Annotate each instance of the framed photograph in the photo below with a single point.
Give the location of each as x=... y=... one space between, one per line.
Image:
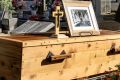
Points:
x=81 y=18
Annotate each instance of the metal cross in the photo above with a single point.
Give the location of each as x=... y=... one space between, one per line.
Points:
x=57 y=14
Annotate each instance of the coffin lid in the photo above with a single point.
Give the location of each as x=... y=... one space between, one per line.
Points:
x=32 y=40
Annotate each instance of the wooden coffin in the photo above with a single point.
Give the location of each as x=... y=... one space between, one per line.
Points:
x=44 y=58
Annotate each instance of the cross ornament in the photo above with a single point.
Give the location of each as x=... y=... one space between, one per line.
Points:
x=57 y=14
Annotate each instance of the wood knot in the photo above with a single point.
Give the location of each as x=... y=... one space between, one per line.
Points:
x=25 y=44
x=95 y=56
x=89 y=45
x=32 y=76
x=2 y=63
x=62 y=45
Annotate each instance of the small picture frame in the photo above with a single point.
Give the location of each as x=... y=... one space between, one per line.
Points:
x=81 y=18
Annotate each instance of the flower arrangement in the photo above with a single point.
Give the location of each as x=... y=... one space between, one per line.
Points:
x=7 y=7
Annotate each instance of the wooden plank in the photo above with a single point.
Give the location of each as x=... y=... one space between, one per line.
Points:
x=35 y=41
x=77 y=60
x=97 y=46
x=9 y=62
x=19 y=39
x=11 y=52
x=5 y=41
x=8 y=72
x=10 y=48
x=70 y=40
x=25 y=37
x=9 y=68
x=91 y=70
x=8 y=77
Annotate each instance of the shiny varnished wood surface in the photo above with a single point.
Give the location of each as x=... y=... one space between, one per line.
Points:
x=40 y=37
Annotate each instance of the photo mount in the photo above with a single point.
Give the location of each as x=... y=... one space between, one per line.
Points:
x=81 y=5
